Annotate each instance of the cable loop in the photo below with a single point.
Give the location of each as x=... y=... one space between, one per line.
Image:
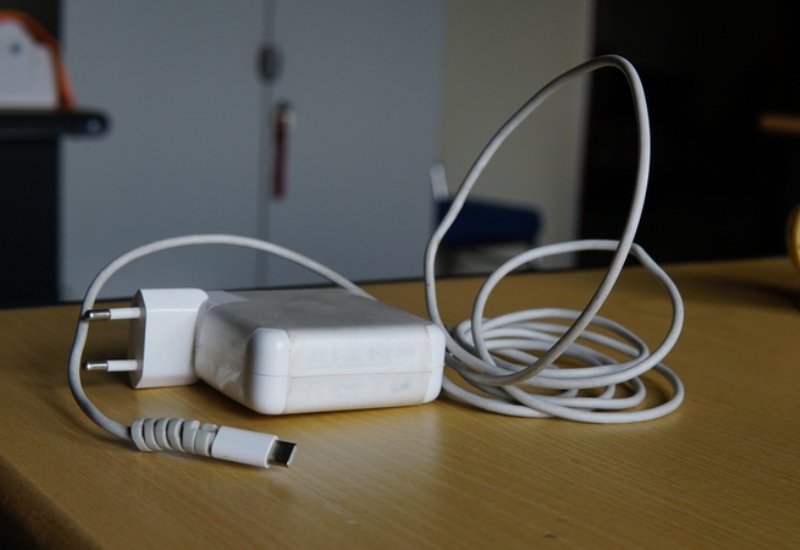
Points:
x=511 y=359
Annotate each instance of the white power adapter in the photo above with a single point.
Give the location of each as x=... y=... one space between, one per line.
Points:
x=282 y=351
x=276 y=352
x=295 y=351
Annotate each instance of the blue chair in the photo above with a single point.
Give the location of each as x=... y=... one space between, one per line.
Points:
x=488 y=222
x=482 y=222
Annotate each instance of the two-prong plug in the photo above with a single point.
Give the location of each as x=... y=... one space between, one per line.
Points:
x=161 y=348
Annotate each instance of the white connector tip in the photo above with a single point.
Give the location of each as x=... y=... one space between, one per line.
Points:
x=253 y=448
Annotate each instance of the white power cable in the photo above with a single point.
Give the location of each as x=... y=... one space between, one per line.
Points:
x=477 y=349
x=505 y=386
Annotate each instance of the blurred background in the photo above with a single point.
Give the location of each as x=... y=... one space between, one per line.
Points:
x=315 y=125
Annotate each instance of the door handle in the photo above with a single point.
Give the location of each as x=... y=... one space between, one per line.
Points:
x=283 y=119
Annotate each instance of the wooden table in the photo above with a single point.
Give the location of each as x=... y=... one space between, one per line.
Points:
x=723 y=471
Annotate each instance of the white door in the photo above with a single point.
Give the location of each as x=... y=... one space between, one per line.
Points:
x=189 y=148
x=364 y=80
x=182 y=155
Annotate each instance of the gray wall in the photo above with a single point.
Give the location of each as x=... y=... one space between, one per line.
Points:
x=497 y=54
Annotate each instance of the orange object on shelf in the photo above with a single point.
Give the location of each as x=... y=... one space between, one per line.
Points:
x=41 y=35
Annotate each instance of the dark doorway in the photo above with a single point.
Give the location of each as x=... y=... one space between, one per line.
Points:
x=719 y=186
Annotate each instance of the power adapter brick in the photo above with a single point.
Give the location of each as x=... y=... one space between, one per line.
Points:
x=283 y=351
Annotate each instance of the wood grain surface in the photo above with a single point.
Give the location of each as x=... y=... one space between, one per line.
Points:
x=720 y=472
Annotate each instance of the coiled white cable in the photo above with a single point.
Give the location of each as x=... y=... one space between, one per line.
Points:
x=477 y=348
x=505 y=386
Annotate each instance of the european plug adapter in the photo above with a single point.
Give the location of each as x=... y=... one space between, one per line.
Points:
x=161 y=341
x=161 y=337
x=282 y=351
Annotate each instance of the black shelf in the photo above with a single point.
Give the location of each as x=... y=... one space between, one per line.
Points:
x=16 y=125
x=29 y=191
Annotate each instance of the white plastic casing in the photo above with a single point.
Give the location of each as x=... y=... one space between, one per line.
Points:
x=294 y=351
x=162 y=340
x=243 y=446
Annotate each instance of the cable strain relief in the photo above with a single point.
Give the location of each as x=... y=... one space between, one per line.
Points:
x=225 y=443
